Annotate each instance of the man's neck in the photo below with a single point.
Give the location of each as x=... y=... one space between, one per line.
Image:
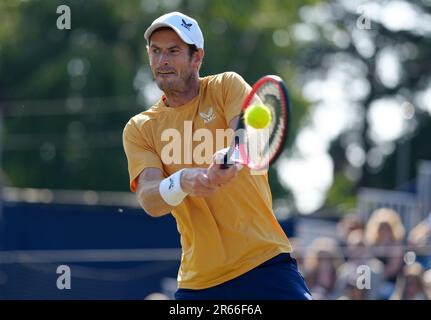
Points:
x=177 y=98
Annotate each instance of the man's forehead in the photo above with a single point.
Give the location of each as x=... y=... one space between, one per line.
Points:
x=166 y=37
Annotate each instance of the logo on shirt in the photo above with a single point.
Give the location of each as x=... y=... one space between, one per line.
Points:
x=186 y=25
x=209 y=116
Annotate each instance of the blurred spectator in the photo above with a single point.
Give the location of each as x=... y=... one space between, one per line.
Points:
x=385 y=233
x=427 y=282
x=348 y=223
x=298 y=252
x=358 y=254
x=351 y=290
x=420 y=240
x=410 y=284
x=322 y=259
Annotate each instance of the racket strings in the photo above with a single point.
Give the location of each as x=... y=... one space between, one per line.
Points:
x=271 y=95
x=262 y=146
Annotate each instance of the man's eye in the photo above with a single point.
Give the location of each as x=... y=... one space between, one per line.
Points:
x=175 y=51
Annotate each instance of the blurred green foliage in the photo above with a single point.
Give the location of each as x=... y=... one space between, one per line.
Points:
x=66 y=94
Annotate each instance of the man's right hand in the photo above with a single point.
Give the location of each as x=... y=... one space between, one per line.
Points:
x=195 y=182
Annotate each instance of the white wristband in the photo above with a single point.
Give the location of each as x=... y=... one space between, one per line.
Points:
x=170 y=189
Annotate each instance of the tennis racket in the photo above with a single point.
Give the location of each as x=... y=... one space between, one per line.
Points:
x=258 y=148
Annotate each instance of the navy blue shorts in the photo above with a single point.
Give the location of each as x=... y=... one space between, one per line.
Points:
x=275 y=279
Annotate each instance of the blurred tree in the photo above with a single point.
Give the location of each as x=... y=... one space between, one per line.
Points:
x=381 y=51
x=67 y=94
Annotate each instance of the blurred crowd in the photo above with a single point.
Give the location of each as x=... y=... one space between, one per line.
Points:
x=368 y=260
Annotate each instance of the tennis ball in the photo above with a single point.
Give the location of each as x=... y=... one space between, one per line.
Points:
x=258 y=116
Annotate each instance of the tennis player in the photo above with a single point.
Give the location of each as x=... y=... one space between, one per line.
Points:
x=232 y=245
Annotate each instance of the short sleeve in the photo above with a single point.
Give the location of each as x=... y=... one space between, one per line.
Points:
x=139 y=152
x=235 y=90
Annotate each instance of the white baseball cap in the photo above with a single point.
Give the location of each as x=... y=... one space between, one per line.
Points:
x=187 y=28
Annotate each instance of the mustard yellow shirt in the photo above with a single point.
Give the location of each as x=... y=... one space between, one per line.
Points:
x=230 y=232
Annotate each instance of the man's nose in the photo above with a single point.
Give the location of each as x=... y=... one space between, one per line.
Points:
x=164 y=59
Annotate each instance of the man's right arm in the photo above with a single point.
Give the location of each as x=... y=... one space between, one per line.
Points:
x=194 y=181
x=148 y=193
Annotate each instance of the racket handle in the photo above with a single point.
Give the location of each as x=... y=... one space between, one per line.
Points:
x=225 y=165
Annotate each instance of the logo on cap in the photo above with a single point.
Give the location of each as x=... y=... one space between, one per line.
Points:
x=186 y=25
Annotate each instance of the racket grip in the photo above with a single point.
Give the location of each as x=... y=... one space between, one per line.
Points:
x=225 y=165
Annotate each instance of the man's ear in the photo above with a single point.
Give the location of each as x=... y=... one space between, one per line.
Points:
x=198 y=57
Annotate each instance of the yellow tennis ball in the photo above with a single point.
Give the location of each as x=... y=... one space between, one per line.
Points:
x=258 y=116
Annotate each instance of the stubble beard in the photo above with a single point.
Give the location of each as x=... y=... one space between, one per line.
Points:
x=177 y=85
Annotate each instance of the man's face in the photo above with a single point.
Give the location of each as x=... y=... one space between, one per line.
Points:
x=170 y=61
